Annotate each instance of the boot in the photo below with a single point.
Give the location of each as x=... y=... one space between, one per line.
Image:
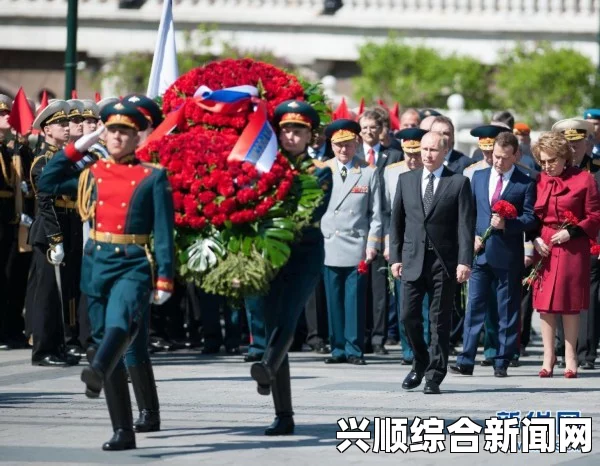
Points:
x=144 y=388
x=282 y=399
x=264 y=371
x=118 y=401
x=107 y=356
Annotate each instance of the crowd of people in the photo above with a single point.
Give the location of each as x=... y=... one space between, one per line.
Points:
x=416 y=243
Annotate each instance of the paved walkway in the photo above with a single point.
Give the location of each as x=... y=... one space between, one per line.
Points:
x=212 y=414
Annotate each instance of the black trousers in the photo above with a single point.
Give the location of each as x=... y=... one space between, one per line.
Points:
x=526 y=312
x=17 y=271
x=377 y=302
x=316 y=316
x=7 y=233
x=587 y=341
x=440 y=288
x=44 y=311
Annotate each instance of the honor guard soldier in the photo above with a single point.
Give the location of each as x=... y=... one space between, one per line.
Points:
x=353 y=232
x=593 y=116
x=7 y=214
x=75 y=119
x=576 y=132
x=410 y=138
x=294 y=283
x=51 y=291
x=127 y=202
x=91 y=115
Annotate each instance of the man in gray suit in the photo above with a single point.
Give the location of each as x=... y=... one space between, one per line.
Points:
x=353 y=232
x=431 y=248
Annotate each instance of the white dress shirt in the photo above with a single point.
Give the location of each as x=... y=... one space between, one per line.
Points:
x=494 y=181
x=376 y=148
x=425 y=179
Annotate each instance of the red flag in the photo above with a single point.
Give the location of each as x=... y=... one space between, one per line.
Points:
x=395 y=117
x=21 y=116
x=97 y=97
x=361 y=108
x=74 y=94
x=382 y=103
x=44 y=101
x=342 y=111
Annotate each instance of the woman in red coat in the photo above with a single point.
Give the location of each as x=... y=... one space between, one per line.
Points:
x=563 y=284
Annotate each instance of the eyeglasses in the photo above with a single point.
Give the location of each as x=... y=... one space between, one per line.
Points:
x=549 y=162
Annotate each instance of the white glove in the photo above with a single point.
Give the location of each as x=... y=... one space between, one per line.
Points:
x=57 y=254
x=161 y=297
x=88 y=140
x=26 y=220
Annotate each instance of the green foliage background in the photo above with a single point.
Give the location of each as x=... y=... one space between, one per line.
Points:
x=539 y=83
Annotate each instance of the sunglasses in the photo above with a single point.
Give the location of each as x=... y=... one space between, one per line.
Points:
x=549 y=162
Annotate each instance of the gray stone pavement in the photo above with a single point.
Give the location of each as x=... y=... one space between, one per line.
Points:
x=211 y=413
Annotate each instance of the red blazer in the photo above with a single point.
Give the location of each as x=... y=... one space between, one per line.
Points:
x=564 y=284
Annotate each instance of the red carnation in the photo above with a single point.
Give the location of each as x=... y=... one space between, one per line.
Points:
x=505 y=209
x=569 y=218
x=363 y=267
x=206 y=197
x=218 y=220
x=210 y=210
x=246 y=195
x=594 y=248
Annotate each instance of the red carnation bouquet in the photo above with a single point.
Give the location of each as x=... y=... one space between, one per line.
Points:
x=234 y=223
x=506 y=211
x=569 y=219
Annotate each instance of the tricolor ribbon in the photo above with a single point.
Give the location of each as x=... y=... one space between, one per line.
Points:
x=257 y=143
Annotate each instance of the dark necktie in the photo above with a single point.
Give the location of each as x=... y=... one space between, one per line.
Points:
x=344 y=173
x=497 y=192
x=428 y=197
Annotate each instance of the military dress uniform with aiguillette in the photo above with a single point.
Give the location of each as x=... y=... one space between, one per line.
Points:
x=290 y=289
x=53 y=291
x=127 y=201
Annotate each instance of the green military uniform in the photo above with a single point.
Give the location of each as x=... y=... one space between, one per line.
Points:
x=289 y=290
x=127 y=201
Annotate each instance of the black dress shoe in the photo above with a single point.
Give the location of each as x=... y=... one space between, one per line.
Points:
x=233 y=350
x=76 y=351
x=391 y=342
x=587 y=365
x=487 y=362
x=412 y=380
x=282 y=425
x=500 y=372
x=320 y=348
x=514 y=363
x=380 y=349
x=357 y=361
x=252 y=357
x=121 y=440
x=406 y=362
x=335 y=360
x=461 y=369
x=431 y=388
x=51 y=361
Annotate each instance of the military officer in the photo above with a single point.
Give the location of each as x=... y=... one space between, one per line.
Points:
x=91 y=115
x=410 y=139
x=294 y=283
x=576 y=132
x=7 y=213
x=593 y=116
x=352 y=228
x=75 y=119
x=127 y=202
x=52 y=292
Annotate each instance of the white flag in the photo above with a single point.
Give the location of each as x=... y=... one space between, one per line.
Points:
x=164 y=64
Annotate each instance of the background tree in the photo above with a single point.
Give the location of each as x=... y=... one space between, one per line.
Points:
x=419 y=76
x=543 y=84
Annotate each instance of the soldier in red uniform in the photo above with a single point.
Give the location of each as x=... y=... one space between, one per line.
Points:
x=127 y=201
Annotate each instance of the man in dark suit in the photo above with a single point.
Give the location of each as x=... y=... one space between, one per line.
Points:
x=431 y=248
x=371 y=150
x=499 y=263
x=454 y=160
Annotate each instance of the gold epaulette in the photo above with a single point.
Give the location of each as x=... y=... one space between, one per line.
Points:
x=319 y=163
x=397 y=164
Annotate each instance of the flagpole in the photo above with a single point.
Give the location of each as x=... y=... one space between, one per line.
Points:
x=71 y=50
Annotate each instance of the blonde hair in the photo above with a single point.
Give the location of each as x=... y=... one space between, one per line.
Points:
x=554 y=144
